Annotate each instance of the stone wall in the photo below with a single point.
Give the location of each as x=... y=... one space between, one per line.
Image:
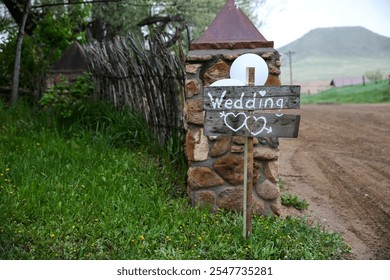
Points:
x=216 y=164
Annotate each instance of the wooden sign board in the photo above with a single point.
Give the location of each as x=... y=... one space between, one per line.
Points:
x=239 y=110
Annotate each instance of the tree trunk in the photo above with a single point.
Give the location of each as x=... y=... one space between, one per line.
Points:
x=15 y=81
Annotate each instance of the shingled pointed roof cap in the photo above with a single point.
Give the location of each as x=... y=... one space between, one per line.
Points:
x=73 y=60
x=231 y=29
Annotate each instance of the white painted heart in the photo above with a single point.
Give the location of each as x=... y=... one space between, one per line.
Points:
x=262 y=93
x=225 y=119
x=254 y=133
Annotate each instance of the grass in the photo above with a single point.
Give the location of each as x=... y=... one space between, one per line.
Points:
x=370 y=93
x=290 y=200
x=327 y=68
x=98 y=187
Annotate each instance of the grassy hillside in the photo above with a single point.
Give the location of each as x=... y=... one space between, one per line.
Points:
x=328 y=68
x=339 y=42
x=371 y=93
x=327 y=53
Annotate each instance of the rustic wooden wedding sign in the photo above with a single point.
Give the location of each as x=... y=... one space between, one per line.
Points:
x=240 y=108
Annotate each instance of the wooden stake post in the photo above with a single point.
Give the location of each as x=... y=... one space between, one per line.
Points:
x=248 y=169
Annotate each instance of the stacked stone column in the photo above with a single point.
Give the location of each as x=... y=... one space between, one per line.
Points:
x=216 y=164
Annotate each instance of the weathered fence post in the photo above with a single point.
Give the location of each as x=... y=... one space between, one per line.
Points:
x=216 y=164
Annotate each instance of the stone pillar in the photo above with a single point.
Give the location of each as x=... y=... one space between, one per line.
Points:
x=215 y=174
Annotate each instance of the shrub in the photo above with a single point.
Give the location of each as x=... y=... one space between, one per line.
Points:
x=65 y=97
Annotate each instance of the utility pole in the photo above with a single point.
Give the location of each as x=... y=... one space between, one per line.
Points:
x=290 y=53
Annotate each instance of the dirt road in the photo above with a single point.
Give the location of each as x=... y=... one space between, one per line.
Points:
x=341 y=165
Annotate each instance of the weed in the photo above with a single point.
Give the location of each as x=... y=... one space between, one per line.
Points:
x=294 y=201
x=64 y=97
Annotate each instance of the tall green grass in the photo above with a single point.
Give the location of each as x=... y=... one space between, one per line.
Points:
x=370 y=93
x=98 y=187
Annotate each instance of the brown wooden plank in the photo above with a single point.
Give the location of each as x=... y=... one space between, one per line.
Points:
x=284 y=90
x=240 y=123
x=251 y=98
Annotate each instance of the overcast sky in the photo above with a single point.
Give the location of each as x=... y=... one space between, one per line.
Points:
x=287 y=20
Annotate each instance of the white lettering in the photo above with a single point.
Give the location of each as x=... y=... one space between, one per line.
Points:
x=279 y=103
x=238 y=102
x=270 y=100
x=229 y=104
x=260 y=103
x=217 y=102
x=250 y=104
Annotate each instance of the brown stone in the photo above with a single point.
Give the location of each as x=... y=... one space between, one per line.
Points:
x=202 y=177
x=230 y=57
x=192 y=68
x=256 y=171
x=278 y=63
x=204 y=198
x=230 y=198
x=197 y=145
x=271 y=171
x=265 y=153
x=201 y=150
x=221 y=146
x=273 y=70
x=257 y=206
x=268 y=55
x=230 y=168
x=195 y=112
x=272 y=81
x=276 y=207
x=190 y=145
x=198 y=57
x=267 y=190
x=237 y=149
x=192 y=88
x=218 y=71
x=240 y=140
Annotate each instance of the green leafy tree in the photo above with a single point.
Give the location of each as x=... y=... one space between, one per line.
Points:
x=120 y=17
x=51 y=25
x=52 y=35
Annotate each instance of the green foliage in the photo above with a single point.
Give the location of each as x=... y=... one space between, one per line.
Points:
x=52 y=36
x=72 y=195
x=294 y=201
x=370 y=93
x=122 y=17
x=64 y=97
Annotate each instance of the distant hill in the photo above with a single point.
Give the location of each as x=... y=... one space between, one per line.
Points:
x=326 y=53
x=339 y=42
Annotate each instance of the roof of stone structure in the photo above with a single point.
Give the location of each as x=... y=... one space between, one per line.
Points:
x=73 y=60
x=231 y=29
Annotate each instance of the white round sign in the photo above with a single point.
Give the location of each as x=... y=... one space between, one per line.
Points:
x=238 y=70
x=227 y=82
